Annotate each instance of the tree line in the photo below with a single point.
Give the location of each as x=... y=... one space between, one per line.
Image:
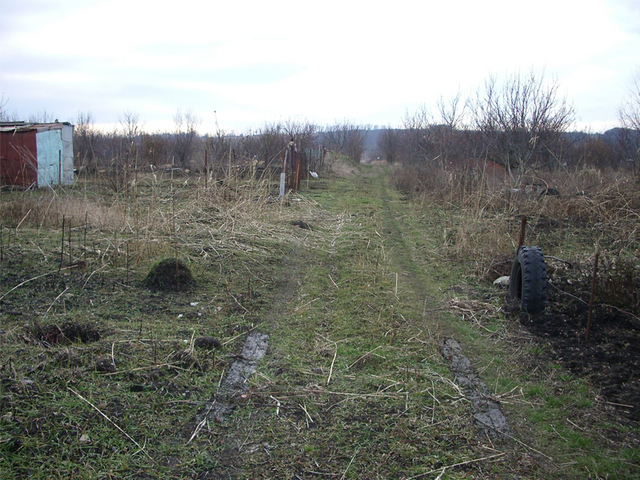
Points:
x=185 y=147
x=521 y=123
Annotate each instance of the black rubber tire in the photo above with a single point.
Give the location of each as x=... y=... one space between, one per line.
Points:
x=528 y=280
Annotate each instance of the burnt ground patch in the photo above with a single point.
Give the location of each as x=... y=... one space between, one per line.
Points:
x=611 y=356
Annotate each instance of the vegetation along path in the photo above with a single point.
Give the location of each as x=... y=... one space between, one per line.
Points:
x=361 y=380
x=372 y=352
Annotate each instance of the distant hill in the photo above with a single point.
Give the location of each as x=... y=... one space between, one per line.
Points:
x=614 y=135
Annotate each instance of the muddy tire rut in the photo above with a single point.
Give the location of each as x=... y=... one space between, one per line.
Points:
x=487 y=414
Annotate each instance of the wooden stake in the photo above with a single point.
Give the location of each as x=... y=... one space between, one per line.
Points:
x=593 y=293
x=523 y=227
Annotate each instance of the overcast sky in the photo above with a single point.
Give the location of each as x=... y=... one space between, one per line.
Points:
x=262 y=61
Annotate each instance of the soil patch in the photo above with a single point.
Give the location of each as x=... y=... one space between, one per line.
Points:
x=62 y=334
x=302 y=224
x=611 y=357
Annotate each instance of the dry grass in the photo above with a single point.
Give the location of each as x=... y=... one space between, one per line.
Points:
x=47 y=209
x=161 y=216
x=340 y=166
x=569 y=213
x=351 y=283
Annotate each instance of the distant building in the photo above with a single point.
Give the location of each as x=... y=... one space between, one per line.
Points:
x=36 y=154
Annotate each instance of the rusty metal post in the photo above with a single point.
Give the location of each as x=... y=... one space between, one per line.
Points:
x=291 y=166
x=593 y=293
x=523 y=227
x=297 y=171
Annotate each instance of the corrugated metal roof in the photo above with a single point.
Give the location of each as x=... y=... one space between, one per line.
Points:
x=24 y=126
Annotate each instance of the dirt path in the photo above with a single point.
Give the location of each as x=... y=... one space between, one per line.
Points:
x=390 y=360
x=354 y=343
x=487 y=413
x=354 y=383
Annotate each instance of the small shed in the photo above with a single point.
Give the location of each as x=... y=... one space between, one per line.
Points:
x=36 y=154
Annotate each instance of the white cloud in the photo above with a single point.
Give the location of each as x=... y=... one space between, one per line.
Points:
x=254 y=61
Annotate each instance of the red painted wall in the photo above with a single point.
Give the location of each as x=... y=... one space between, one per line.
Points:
x=18 y=158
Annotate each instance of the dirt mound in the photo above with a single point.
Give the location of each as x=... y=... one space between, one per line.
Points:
x=170 y=274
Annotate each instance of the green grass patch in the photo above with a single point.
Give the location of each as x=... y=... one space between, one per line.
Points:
x=353 y=384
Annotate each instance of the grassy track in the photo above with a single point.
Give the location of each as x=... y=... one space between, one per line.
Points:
x=356 y=291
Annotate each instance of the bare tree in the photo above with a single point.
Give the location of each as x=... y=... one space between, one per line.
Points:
x=522 y=122
x=185 y=136
x=130 y=126
x=42 y=117
x=347 y=138
x=446 y=136
x=389 y=144
x=131 y=130
x=84 y=140
x=120 y=151
x=629 y=114
x=270 y=140
x=303 y=133
x=4 y=115
x=417 y=146
x=155 y=149
x=435 y=140
x=219 y=146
